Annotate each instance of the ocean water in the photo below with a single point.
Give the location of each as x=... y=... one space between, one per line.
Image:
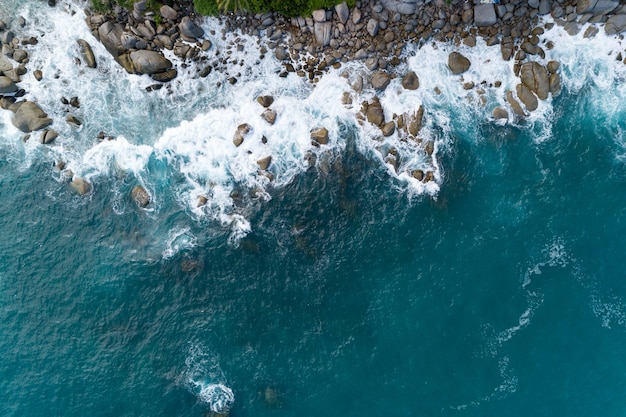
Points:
x=341 y=287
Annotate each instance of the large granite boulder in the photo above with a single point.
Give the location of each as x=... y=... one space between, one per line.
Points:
x=457 y=63
x=7 y=86
x=615 y=24
x=527 y=97
x=343 y=12
x=596 y=7
x=149 y=62
x=517 y=108
x=401 y=6
x=380 y=80
x=29 y=117
x=485 y=15
x=535 y=77
x=323 y=32
x=189 y=29
x=111 y=37
x=87 y=52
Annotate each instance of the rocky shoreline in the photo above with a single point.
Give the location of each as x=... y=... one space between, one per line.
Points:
x=374 y=32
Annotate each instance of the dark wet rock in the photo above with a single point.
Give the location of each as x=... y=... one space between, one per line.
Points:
x=415 y=121
x=527 y=97
x=410 y=81
x=29 y=117
x=380 y=80
x=202 y=200
x=242 y=131
x=74 y=102
x=265 y=101
x=87 y=53
x=500 y=113
x=418 y=174
x=553 y=66
x=320 y=135
x=457 y=63
x=264 y=163
x=80 y=186
x=48 y=136
x=140 y=196
x=73 y=120
x=165 y=76
x=269 y=116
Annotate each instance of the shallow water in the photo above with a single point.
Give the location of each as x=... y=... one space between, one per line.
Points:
x=341 y=289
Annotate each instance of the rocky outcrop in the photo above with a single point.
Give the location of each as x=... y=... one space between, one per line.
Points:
x=29 y=117
x=242 y=131
x=517 y=108
x=527 y=97
x=500 y=113
x=457 y=63
x=149 y=62
x=110 y=35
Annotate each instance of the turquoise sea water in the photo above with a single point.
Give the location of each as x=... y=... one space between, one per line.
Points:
x=343 y=291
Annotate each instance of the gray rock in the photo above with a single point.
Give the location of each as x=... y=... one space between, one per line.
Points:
x=188 y=28
x=6 y=37
x=323 y=32
x=87 y=53
x=29 y=117
x=485 y=15
x=411 y=81
x=372 y=27
x=371 y=64
x=149 y=62
x=380 y=80
x=356 y=16
x=168 y=13
x=281 y=53
x=343 y=12
x=110 y=35
x=533 y=4
x=140 y=196
x=500 y=113
x=527 y=97
x=7 y=86
x=615 y=24
x=457 y=63
x=319 y=15
x=596 y=7
x=545 y=6
x=320 y=135
x=5 y=64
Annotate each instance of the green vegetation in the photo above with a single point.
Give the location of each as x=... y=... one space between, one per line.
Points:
x=285 y=7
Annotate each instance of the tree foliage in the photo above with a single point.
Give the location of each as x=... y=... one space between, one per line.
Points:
x=285 y=7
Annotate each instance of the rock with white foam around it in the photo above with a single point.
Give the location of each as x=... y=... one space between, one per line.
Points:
x=140 y=196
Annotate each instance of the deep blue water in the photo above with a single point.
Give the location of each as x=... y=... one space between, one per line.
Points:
x=503 y=294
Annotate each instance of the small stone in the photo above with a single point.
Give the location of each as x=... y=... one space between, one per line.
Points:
x=265 y=101
x=242 y=131
x=264 y=163
x=140 y=196
x=38 y=75
x=74 y=102
x=73 y=120
x=202 y=200
x=269 y=116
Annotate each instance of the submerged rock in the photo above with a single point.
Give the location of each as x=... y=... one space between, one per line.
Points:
x=500 y=113
x=80 y=186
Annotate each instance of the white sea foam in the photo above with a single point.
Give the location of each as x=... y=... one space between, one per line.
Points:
x=178 y=140
x=203 y=377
